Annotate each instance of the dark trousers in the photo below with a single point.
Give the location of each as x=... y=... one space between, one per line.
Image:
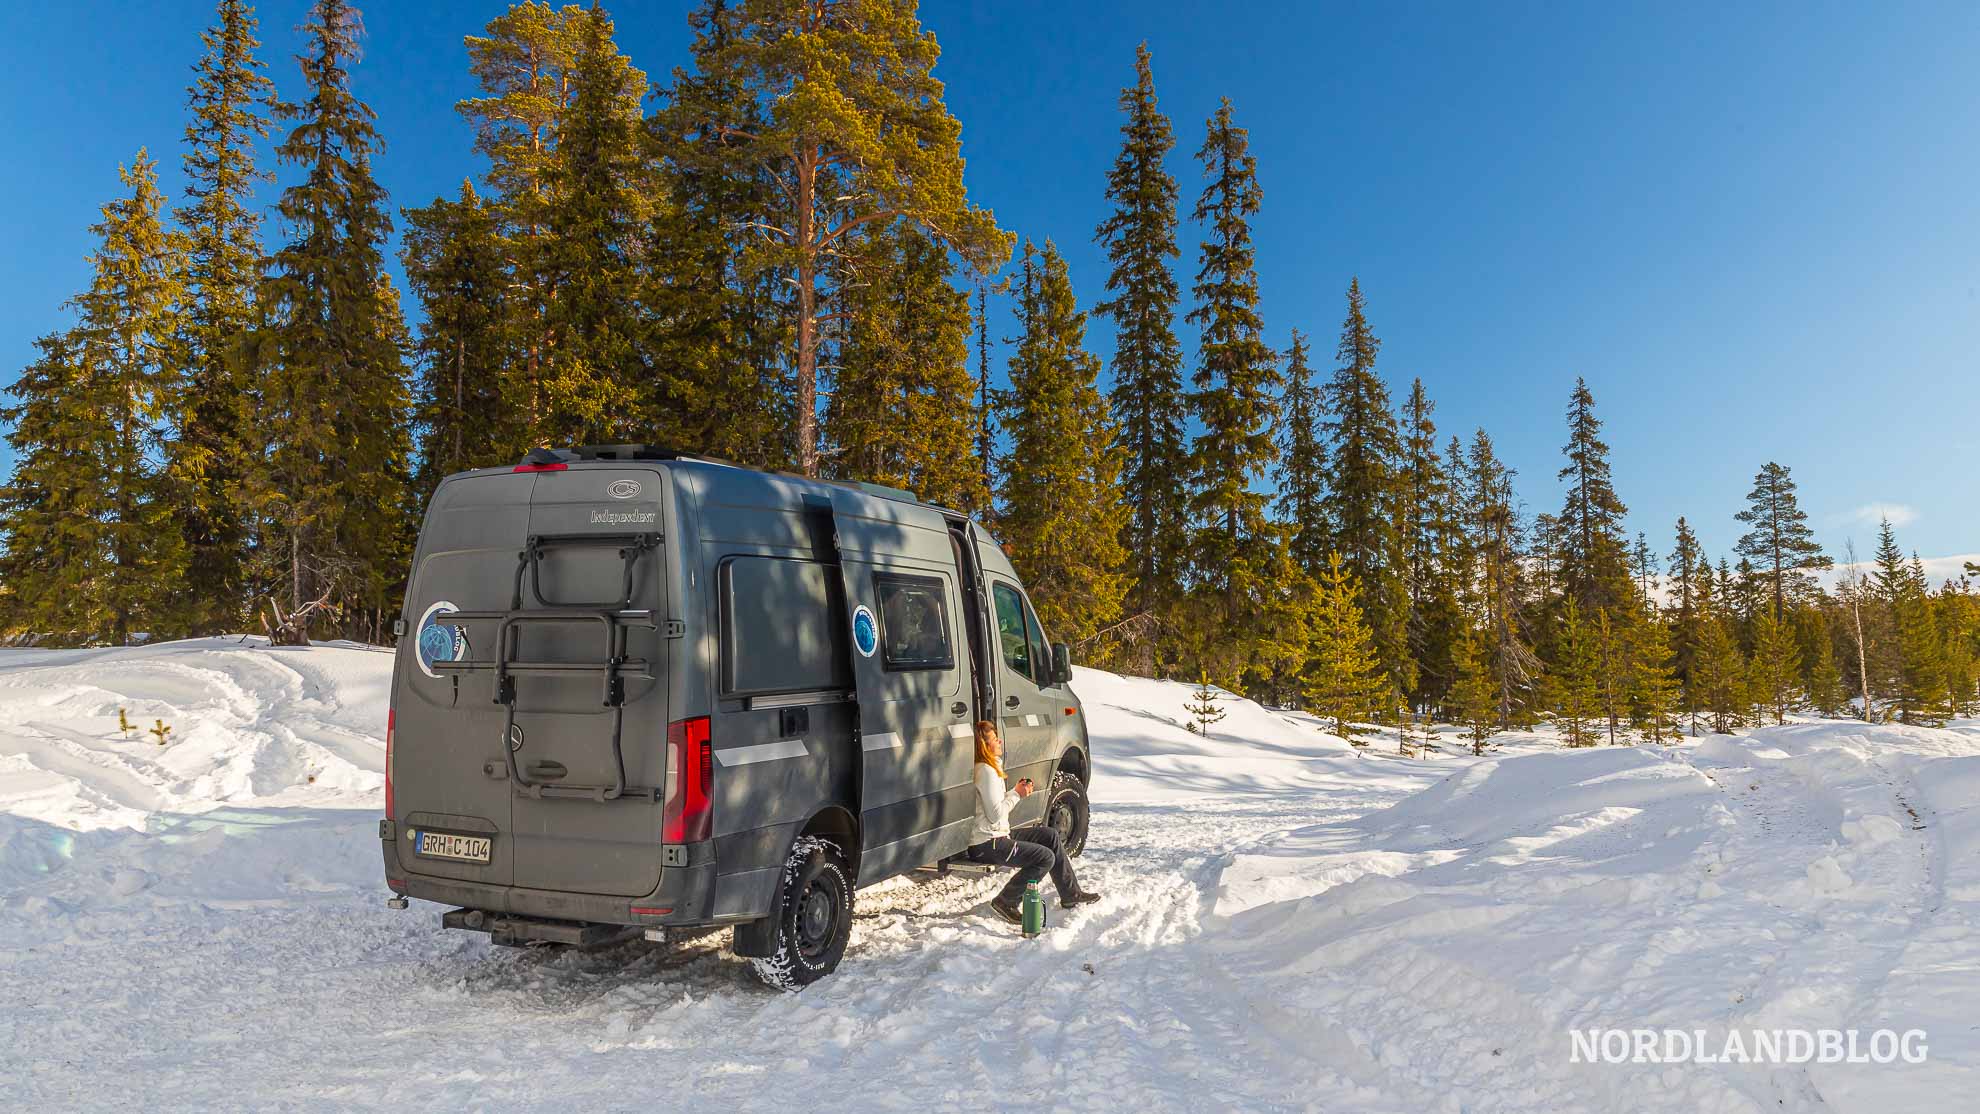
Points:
x=1034 y=852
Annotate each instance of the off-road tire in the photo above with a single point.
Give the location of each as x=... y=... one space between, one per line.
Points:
x=1068 y=811
x=813 y=917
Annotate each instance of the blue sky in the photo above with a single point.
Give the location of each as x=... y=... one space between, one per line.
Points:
x=1754 y=229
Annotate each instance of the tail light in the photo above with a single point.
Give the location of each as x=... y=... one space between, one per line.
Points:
x=391 y=721
x=689 y=812
x=557 y=467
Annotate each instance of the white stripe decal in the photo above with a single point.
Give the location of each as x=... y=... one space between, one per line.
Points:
x=884 y=741
x=961 y=731
x=761 y=752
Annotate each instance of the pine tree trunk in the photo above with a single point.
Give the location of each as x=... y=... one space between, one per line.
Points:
x=807 y=354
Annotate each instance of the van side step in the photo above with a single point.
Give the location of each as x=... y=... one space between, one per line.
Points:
x=515 y=932
x=957 y=864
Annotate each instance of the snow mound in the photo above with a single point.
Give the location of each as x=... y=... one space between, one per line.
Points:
x=1811 y=876
x=249 y=725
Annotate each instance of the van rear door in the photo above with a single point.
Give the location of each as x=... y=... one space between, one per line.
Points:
x=598 y=579
x=450 y=776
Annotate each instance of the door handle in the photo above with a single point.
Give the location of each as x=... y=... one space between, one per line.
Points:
x=1010 y=701
x=959 y=709
x=497 y=770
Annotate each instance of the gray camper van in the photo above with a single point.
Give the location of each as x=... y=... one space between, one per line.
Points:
x=639 y=689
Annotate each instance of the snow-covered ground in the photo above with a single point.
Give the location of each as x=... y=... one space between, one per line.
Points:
x=1290 y=923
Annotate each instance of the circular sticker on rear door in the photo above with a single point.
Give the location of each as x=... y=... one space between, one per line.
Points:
x=866 y=635
x=437 y=642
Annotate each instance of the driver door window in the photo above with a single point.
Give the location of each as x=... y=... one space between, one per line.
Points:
x=1013 y=632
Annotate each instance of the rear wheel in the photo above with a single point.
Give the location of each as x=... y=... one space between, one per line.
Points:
x=814 y=919
x=1067 y=811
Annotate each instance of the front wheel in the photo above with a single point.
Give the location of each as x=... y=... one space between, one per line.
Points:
x=814 y=919
x=1067 y=812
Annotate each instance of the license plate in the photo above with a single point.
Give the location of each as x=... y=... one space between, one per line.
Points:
x=447 y=845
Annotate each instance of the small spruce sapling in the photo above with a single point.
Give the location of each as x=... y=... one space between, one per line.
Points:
x=1204 y=711
x=161 y=730
x=124 y=723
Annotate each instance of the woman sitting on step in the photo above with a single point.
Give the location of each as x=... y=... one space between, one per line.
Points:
x=1034 y=851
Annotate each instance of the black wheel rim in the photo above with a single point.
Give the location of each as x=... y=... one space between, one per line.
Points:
x=817 y=919
x=1063 y=820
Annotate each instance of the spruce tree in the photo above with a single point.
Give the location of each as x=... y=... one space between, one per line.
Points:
x=723 y=331
x=903 y=413
x=1654 y=697
x=1921 y=679
x=1778 y=540
x=1776 y=666
x=1147 y=396
x=328 y=353
x=1236 y=379
x=1428 y=527
x=1364 y=487
x=1344 y=681
x=598 y=380
x=90 y=426
x=525 y=62
x=1302 y=461
x=1576 y=679
x=854 y=131
x=1061 y=513
x=215 y=438
x=52 y=510
x=1720 y=676
x=1203 y=710
x=1494 y=540
x=453 y=261
x=1472 y=700
x=1825 y=682
x=1684 y=567
x=1593 y=566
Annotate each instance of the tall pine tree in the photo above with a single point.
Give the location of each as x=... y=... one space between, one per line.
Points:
x=1302 y=461
x=1778 y=540
x=853 y=130
x=1364 y=486
x=903 y=413
x=1593 y=562
x=1147 y=394
x=1061 y=512
x=329 y=355
x=454 y=265
x=215 y=439
x=89 y=489
x=1236 y=379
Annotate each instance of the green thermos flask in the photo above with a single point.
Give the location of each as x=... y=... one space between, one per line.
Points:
x=1034 y=911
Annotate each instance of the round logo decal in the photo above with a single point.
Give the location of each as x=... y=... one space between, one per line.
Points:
x=437 y=643
x=623 y=489
x=866 y=634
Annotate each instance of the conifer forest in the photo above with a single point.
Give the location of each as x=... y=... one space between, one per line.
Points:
x=769 y=256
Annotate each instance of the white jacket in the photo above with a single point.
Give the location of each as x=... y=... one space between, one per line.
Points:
x=993 y=806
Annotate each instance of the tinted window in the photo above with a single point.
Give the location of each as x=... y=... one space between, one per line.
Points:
x=914 y=623
x=1011 y=635
x=780 y=627
x=1040 y=652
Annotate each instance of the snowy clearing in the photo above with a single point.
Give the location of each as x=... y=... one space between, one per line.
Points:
x=1290 y=923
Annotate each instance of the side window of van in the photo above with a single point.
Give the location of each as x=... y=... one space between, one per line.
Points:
x=914 y=622
x=1011 y=634
x=1040 y=651
x=766 y=647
